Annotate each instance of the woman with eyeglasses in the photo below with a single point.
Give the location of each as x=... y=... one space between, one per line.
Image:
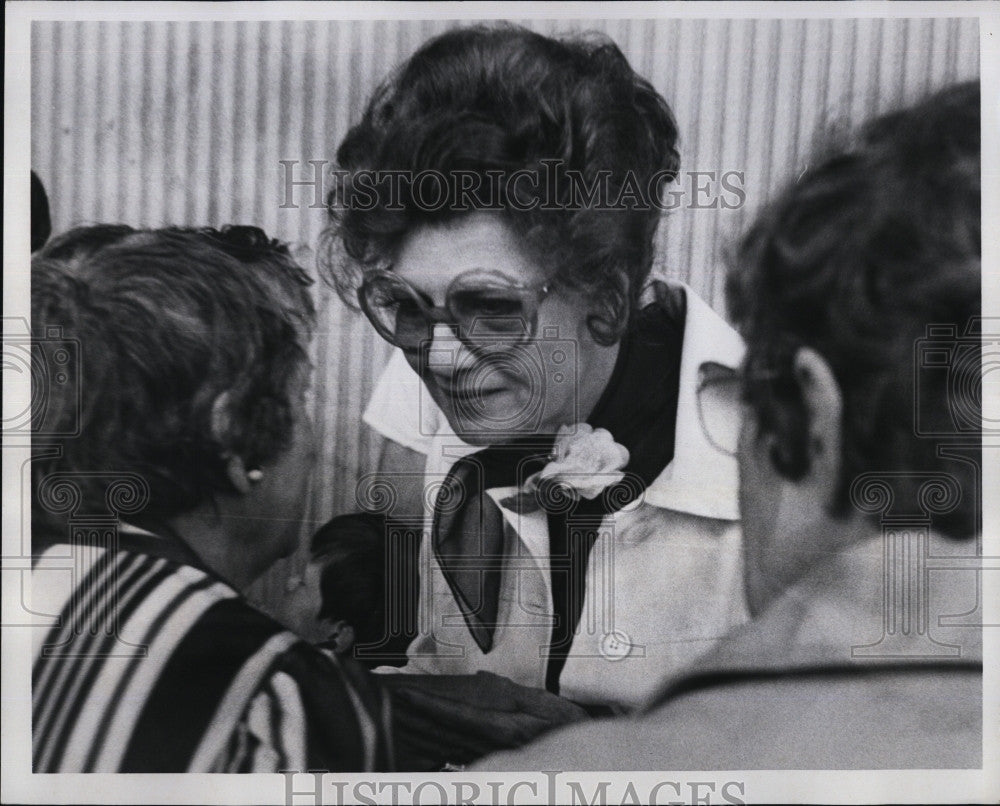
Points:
x=495 y=223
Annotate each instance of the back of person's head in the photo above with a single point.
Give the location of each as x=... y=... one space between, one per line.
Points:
x=875 y=243
x=495 y=102
x=351 y=552
x=163 y=324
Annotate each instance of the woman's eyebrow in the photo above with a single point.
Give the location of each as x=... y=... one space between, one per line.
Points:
x=491 y=273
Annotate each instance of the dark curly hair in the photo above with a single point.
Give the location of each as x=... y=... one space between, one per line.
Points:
x=878 y=240
x=494 y=102
x=166 y=321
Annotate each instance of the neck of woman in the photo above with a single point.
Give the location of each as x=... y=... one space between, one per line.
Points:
x=209 y=534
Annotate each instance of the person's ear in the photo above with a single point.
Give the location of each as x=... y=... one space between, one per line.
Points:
x=607 y=312
x=237 y=472
x=824 y=408
x=342 y=636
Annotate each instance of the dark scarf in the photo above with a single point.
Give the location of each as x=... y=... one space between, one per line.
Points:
x=639 y=409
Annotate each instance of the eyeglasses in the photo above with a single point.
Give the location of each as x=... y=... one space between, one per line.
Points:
x=718 y=406
x=485 y=305
x=720 y=393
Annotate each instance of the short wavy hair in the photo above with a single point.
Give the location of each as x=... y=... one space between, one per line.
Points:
x=878 y=240
x=495 y=102
x=166 y=321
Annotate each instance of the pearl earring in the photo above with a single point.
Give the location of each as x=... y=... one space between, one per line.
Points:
x=255 y=475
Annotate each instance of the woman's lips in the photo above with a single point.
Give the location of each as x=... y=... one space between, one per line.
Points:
x=469 y=393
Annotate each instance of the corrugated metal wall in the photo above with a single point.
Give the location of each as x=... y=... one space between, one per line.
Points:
x=185 y=123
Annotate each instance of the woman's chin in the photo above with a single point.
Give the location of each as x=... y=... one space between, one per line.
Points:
x=493 y=419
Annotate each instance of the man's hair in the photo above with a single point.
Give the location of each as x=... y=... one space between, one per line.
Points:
x=166 y=321
x=877 y=240
x=503 y=100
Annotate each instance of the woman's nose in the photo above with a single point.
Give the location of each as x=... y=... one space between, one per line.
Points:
x=447 y=352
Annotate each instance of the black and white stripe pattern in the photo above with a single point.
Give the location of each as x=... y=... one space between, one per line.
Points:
x=157 y=666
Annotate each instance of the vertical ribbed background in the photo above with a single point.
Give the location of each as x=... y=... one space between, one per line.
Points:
x=185 y=123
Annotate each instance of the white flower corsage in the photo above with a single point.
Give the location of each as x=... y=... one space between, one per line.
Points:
x=584 y=462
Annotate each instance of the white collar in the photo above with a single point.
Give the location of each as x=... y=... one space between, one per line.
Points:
x=699 y=480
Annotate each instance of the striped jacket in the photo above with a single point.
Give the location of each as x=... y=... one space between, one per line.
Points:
x=152 y=664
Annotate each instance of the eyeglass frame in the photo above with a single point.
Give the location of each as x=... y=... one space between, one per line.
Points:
x=442 y=314
x=739 y=375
